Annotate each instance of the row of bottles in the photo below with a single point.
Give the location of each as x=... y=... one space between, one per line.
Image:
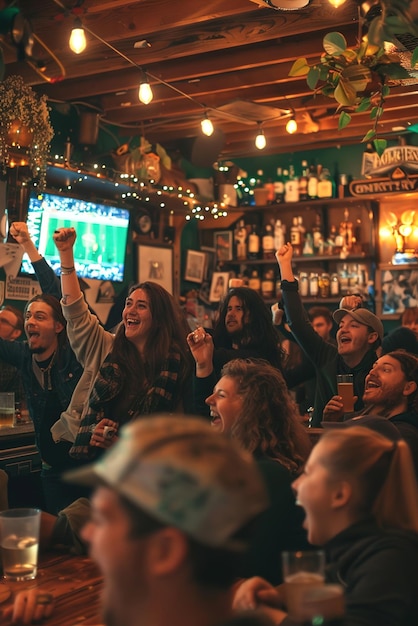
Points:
x=314 y=284
x=312 y=183
x=252 y=244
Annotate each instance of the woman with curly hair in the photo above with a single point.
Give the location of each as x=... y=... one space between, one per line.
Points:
x=251 y=403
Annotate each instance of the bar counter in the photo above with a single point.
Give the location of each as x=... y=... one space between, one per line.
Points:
x=75 y=583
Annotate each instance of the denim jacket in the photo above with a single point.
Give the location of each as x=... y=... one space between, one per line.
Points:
x=65 y=373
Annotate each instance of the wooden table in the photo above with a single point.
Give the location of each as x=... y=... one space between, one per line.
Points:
x=75 y=583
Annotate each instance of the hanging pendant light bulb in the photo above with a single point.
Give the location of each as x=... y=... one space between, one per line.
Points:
x=206 y=126
x=336 y=3
x=145 y=94
x=78 y=41
x=291 y=126
x=260 y=140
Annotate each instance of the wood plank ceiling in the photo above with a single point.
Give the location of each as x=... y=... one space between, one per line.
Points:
x=212 y=53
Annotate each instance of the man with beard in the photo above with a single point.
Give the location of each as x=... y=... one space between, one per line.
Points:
x=244 y=329
x=391 y=391
x=359 y=334
x=50 y=372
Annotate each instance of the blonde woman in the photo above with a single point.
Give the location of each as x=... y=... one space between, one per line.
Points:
x=360 y=498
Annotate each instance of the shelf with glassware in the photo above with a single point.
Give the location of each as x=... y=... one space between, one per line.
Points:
x=333 y=242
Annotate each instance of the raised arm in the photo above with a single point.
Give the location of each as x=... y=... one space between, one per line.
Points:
x=284 y=259
x=48 y=280
x=64 y=239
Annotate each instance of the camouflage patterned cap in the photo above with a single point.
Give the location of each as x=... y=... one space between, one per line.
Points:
x=183 y=473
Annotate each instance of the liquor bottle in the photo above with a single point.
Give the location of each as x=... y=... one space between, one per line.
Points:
x=241 y=241
x=279 y=234
x=267 y=242
x=279 y=187
x=253 y=248
x=267 y=284
x=318 y=235
x=303 y=182
x=308 y=248
x=302 y=230
x=254 y=281
x=269 y=186
x=303 y=284
x=291 y=187
x=325 y=185
x=312 y=183
x=295 y=237
x=334 y=285
x=313 y=284
x=324 y=285
x=346 y=231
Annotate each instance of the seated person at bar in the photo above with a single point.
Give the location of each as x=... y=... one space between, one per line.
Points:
x=145 y=368
x=391 y=391
x=360 y=497
x=252 y=404
x=409 y=319
x=359 y=334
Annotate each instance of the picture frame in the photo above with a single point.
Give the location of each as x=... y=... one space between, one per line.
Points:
x=155 y=263
x=223 y=244
x=218 y=286
x=397 y=289
x=210 y=265
x=195 y=266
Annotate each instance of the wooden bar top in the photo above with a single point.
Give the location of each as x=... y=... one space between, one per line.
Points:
x=75 y=583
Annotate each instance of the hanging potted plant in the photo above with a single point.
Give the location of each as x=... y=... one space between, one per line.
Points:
x=359 y=78
x=25 y=128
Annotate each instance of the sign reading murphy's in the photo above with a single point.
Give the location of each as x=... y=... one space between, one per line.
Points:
x=399 y=164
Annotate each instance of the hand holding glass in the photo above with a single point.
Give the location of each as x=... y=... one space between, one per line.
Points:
x=345 y=388
x=302 y=571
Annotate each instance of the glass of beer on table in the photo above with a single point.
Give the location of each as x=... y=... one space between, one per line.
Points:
x=7 y=409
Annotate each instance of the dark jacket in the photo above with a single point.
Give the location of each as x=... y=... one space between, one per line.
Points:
x=323 y=355
x=379 y=572
x=65 y=373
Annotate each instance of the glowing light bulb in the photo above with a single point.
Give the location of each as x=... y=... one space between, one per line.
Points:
x=336 y=3
x=145 y=92
x=78 y=41
x=291 y=126
x=260 y=140
x=207 y=126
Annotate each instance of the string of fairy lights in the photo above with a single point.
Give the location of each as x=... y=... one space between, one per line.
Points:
x=145 y=191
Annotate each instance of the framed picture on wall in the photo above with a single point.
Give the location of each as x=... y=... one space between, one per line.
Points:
x=210 y=265
x=223 y=244
x=155 y=263
x=397 y=289
x=195 y=266
x=219 y=286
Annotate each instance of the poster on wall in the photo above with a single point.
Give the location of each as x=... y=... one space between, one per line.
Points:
x=155 y=263
x=21 y=288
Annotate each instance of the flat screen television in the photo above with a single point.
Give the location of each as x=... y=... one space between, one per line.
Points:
x=102 y=232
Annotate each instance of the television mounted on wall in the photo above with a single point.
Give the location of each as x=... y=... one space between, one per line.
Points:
x=102 y=232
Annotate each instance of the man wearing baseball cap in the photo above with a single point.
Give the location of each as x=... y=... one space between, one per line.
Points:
x=172 y=515
x=359 y=334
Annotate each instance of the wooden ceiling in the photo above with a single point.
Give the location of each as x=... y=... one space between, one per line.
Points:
x=208 y=54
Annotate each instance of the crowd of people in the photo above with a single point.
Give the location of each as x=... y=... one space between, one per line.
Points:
x=206 y=424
